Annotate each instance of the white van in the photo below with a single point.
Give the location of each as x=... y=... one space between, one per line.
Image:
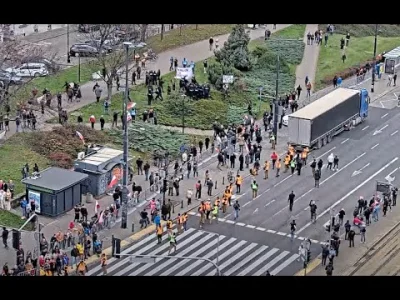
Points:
x=29 y=70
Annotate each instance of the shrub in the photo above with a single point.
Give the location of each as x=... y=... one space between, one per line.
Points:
x=235 y=51
x=61 y=159
x=217 y=70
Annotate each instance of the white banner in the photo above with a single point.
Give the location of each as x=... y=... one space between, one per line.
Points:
x=184 y=72
x=227 y=78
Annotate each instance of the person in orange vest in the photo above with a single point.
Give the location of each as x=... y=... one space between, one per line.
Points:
x=239 y=181
x=207 y=208
x=92 y=120
x=159 y=233
x=179 y=223
x=266 y=169
x=103 y=262
x=287 y=162
x=224 y=204
x=278 y=166
x=185 y=219
x=169 y=224
x=202 y=212
x=217 y=202
x=227 y=195
x=291 y=152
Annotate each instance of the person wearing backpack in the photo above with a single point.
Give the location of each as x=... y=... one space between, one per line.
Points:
x=329 y=269
x=236 y=209
x=317 y=177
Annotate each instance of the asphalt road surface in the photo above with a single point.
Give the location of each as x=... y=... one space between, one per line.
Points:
x=259 y=240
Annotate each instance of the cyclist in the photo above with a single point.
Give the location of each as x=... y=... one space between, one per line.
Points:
x=313 y=210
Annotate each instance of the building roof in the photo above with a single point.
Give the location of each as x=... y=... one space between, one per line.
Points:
x=101 y=156
x=324 y=104
x=56 y=179
x=395 y=53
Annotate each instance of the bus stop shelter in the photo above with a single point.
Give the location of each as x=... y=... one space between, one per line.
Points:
x=392 y=60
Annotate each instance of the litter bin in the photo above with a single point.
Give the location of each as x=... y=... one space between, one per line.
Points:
x=89 y=198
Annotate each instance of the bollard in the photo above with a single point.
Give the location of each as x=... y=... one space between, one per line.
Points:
x=133 y=227
x=182 y=204
x=216 y=184
x=223 y=180
x=173 y=209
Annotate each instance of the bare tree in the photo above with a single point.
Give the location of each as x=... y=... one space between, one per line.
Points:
x=13 y=54
x=110 y=57
x=162 y=31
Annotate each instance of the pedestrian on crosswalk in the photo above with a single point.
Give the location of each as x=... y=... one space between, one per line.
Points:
x=172 y=242
x=179 y=222
x=292 y=229
x=159 y=233
x=184 y=220
x=103 y=262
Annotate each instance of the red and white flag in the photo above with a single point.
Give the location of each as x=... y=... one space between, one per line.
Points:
x=101 y=218
x=80 y=136
x=114 y=181
x=128 y=116
x=130 y=105
x=96 y=207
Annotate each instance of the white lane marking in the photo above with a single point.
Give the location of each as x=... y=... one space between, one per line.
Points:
x=281 y=233
x=240 y=224
x=266 y=191
x=394 y=133
x=334 y=174
x=246 y=203
x=221 y=220
x=258 y=262
x=350 y=193
x=387 y=125
x=282 y=181
x=284 y=264
x=261 y=229
x=271 y=231
x=391 y=173
x=230 y=222
x=373 y=147
x=385 y=115
x=345 y=141
x=366 y=127
x=243 y=262
x=251 y=226
x=325 y=153
x=255 y=211
x=271 y=263
x=269 y=203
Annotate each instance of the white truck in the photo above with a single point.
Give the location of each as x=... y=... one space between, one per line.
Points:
x=316 y=124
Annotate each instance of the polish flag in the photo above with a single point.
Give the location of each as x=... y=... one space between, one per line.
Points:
x=113 y=182
x=96 y=207
x=131 y=105
x=128 y=116
x=80 y=136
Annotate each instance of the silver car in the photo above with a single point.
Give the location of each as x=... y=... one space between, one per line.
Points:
x=7 y=78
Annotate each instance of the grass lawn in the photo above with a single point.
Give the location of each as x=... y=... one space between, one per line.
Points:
x=201 y=113
x=172 y=39
x=13 y=155
x=186 y=36
x=360 y=50
x=12 y=220
x=295 y=31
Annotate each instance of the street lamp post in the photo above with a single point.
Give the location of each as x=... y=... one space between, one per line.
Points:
x=374 y=59
x=276 y=108
x=68 y=54
x=183 y=113
x=125 y=192
x=79 y=68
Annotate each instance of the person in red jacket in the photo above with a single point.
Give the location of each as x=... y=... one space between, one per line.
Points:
x=274 y=158
x=92 y=120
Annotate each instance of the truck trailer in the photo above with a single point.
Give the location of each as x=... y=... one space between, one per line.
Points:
x=316 y=124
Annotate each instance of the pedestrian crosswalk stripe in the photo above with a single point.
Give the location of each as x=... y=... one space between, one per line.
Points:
x=158 y=251
x=129 y=250
x=208 y=256
x=234 y=257
x=258 y=262
x=270 y=264
x=284 y=264
x=183 y=262
x=220 y=258
x=237 y=257
x=243 y=262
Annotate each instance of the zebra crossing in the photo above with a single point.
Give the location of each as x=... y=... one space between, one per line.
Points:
x=233 y=256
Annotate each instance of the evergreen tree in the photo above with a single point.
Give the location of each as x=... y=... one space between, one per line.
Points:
x=235 y=51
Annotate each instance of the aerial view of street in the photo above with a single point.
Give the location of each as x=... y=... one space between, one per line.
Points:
x=199 y=149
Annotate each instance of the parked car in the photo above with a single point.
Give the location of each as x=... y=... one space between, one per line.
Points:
x=96 y=44
x=7 y=78
x=84 y=50
x=29 y=70
x=87 y=28
x=52 y=66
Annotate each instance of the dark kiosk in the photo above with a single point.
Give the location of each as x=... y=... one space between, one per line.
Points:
x=55 y=190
